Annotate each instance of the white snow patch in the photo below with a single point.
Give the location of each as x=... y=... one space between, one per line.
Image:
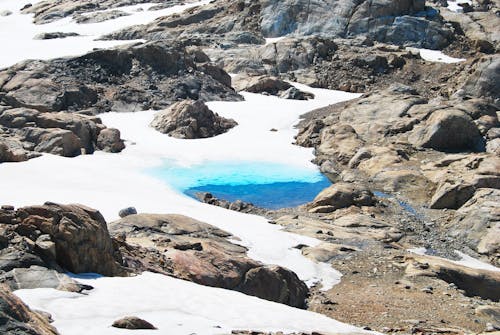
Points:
x=454 y=5
x=17 y=32
x=438 y=56
x=274 y=39
x=174 y=306
x=474 y=263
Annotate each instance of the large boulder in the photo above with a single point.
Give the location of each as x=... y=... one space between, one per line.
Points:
x=449 y=130
x=191 y=119
x=485 y=80
x=79 y=234
x=341 y=195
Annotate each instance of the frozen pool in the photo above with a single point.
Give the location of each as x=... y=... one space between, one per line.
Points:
x=267 y=185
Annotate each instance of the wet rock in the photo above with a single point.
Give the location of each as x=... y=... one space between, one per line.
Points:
x=132 y=322
x=191 y=119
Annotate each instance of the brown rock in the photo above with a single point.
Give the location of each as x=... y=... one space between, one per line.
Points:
x=341 y=195
x=132 y=322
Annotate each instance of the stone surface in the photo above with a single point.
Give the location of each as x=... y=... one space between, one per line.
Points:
x=341 y=195
x=18 y=319
x=132 y=322
x=191 y=119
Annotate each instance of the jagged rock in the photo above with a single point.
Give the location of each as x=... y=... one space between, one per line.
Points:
x=191 y=119
x=449 y=130
x=18 y=319
x=54 y=35
x=201 y=253
x=126 y=78
x=132 y=322
x=80 y=235
x=341 y=195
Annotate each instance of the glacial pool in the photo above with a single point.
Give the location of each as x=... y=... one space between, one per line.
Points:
x=267 y=185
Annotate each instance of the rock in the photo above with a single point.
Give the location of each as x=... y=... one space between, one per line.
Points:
x=18 y=319
x=277 y=284
x=490 y=312
x=341 y=195
x=485 y=81
x=294 y=93
x=99 y=16
x=191 y=119
x=449 y=130
x=79 y=233
x=477 y=223
x=65 y=134
x=474 y=282
x=270 y=85
x=109 y=140
x=127 y=211
x=54 y=35
x=126 y=78
x=5 y=13
x=40 y=277
x=132 y=322
x=452 y=196
x=201 y=253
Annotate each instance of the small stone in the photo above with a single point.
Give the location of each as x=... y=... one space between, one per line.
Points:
x=8 y=207
x=127 y=211
x=132 y=322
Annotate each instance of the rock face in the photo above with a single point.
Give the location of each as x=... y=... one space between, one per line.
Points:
x=70 y=237
x=191 y=119
x=29 y=131
x=127 y=78
x=18 y=319
x=395 y=22
x=195 y=251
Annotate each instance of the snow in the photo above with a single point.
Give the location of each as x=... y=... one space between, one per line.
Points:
x=174 y=306
x=272 y=40
x=454 y=5
x=438 y=56
x=22 y=46
x=465 y=260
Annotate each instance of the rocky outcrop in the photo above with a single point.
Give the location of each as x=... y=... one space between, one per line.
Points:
x=30 y=131
x=395 y=22
x=99 y=16
x=191 y=119
x=17 y=318
x=127 y=78
x=272 y=86
x=54 y=35
x=189 y=249
x=485 y=80
x=70 y=237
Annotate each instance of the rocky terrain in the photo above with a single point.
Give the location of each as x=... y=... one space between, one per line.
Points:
x=414 y=161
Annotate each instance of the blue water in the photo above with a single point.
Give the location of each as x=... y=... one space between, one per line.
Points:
x=267 y=185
